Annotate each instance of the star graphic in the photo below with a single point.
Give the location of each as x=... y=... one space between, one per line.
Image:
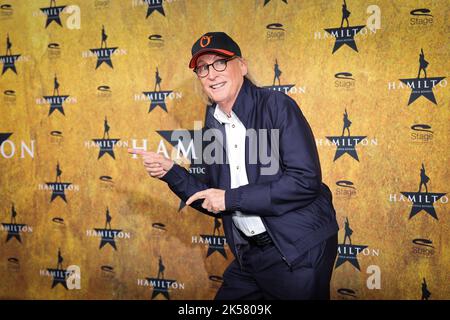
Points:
x=56 y=103
x=215 y=243
x=104 y=56
x=348 y=252
x=4 y=136
x=106 y=146
x=422 y=87
x=52 y=14
x=59 y=277
x=185 y=137
x=344 y=36
x=423 y=201
x=195 y=169
x=160 y=286
x=9 y=62
x=108 y=236
x=154 y=5
x=346 y=145
x=13 y=230
x=267 y=1
x=58 y=189
x=157 y=98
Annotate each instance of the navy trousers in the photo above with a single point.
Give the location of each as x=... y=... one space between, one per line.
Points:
x=264 y=275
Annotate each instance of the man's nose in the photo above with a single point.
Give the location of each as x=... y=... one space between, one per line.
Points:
x=212 y=74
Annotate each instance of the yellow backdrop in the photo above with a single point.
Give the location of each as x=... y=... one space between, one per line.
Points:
x=68 y=86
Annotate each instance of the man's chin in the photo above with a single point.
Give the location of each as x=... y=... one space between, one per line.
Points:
x=218 y=99
x=219 y=96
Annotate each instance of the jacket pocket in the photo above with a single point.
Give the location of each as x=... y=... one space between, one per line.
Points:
x=311 y=258
x=316 y=253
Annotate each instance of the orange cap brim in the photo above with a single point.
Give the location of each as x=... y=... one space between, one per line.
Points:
x=193 y=61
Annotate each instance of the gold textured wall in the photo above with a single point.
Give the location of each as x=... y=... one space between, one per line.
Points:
x=293 y=33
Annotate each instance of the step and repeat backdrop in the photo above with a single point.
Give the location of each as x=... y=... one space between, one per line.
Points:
x=83 y=80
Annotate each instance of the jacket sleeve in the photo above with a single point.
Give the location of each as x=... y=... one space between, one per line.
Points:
x=184 y=184
x=300 y=181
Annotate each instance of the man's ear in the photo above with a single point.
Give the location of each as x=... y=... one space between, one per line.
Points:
x=243 y=66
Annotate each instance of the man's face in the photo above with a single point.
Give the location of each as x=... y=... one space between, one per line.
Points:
x=223 y=87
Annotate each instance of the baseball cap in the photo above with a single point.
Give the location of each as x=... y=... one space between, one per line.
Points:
x=216 y=42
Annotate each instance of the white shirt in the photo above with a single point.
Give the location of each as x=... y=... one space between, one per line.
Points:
x=235 y=132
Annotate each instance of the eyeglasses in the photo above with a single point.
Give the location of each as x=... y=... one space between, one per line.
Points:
x=218 y=65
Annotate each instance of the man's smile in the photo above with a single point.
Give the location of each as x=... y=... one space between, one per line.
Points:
x=218 y=85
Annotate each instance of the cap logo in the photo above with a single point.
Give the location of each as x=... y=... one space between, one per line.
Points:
x=205 y=41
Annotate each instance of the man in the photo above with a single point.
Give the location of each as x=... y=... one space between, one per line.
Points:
x=8 y=45
x=425 y=292
x=104 y=37
x=55 y=86
x=423 y=64
x=161 y=268
x=277 y=73
x=157 y=80
x=13 y=214
x=348 y=231
x=280 y=227
x=347 y=123
x=106 y=128
x=60 y=260
x=58 y=172
x=345 y=14
x=108 y=219
x=424 y=179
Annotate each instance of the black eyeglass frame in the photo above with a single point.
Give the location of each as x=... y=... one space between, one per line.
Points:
x=212 y=64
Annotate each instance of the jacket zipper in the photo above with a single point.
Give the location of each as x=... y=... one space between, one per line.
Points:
x=238 y=252
x=267 y=229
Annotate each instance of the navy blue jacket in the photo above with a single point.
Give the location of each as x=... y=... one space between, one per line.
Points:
x=294 y=205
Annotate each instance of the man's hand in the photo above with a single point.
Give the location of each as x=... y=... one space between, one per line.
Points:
x=214 y=199
x=155 y=164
